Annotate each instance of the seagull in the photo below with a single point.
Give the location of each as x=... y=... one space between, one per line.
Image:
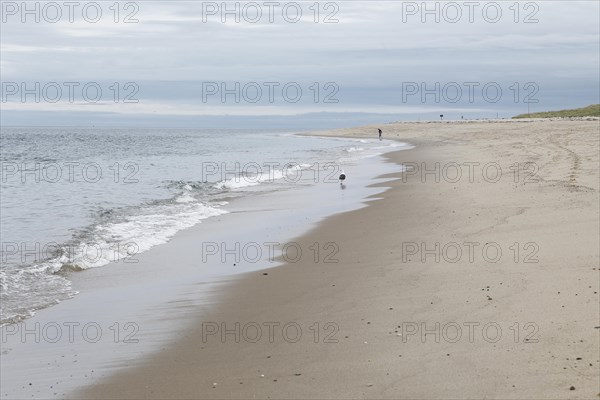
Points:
x=342 y=177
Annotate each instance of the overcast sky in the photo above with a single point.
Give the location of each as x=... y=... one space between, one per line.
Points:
x=388 y=60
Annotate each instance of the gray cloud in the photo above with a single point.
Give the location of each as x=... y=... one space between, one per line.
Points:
x=370 y=54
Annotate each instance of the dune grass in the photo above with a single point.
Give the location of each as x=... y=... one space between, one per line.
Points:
x=589 y=111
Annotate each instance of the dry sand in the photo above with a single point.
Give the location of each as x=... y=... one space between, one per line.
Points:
x=378 y=294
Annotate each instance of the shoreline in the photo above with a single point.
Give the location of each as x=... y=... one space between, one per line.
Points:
x=138 y=308
x=375 y=300
x=174 y=200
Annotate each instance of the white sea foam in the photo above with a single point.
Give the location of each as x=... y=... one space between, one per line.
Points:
x=113 y=241
x=267 y=176
x=353 y=149
x=139 y=233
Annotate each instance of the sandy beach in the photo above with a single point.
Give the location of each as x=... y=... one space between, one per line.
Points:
x=474 y=275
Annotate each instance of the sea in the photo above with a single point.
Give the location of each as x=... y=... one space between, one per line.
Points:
x=72 y=199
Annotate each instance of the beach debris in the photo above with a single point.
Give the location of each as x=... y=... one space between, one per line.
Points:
x=572 y=388
x=264 y=273
x=297 y=374
x=214 y=384
x=262 y=375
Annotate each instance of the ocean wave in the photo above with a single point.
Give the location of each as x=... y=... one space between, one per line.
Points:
x=245 y=180
x=120 y=238
x=353 y=149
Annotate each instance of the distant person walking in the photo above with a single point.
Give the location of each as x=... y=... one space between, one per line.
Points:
x=380 y=133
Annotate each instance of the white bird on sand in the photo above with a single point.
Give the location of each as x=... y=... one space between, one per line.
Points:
x=342 y=177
